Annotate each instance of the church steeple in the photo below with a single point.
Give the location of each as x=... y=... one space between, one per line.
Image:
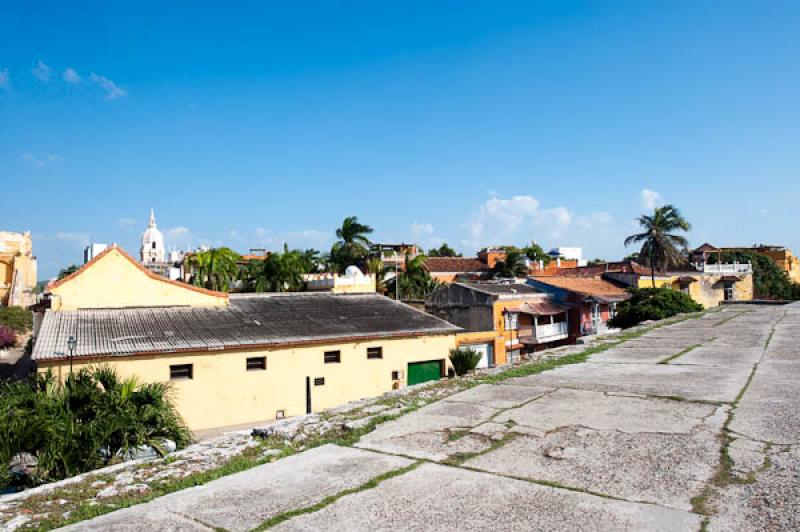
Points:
x=152 y=250
x=152 y=218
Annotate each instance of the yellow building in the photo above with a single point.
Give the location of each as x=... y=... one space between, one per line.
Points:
x=241 y=358
x=709 y=289
x=17 y=269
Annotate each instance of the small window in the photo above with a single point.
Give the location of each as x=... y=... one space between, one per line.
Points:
x=319 y=381
x=511 y=321
x=256 y=363
x=154 y=245
x=333 y=357
x=180 y=372
x=395 y=375
x=374 y=352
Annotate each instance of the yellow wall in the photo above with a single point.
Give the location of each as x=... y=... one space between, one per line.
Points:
x=224 y=393
x=710 y=292
x=113 y=281
x=647 y=282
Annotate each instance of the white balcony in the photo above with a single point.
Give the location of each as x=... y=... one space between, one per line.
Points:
x=727 y=269
x=551 y=331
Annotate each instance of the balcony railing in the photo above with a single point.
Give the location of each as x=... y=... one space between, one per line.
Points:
x=727 y=268
x=550 y=330
x=594 y=327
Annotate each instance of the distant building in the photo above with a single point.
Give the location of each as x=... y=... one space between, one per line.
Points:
x=570 y=254
x=17 y=269
x=780 y=255
x=93 y=250
x=234 y=359
x=502 y=321
x=153 y=255
x=353 y=281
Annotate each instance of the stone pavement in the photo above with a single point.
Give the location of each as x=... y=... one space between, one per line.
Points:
x=691 y=425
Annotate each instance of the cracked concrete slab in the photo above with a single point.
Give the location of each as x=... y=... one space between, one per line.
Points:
x=645 y=342
x=696 y=383
x=499 y=396
x=642 y=355
x=661 y=468
x=425 y=433
x=439 y=498
x=720 y=355
x=768 y=410
x=769 y=503
x=243 y=501
x=599 y=411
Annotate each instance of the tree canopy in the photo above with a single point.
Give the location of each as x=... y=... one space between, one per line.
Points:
x=535 y=252
x=512 y=266
x=443 y=251
x=660 y=243
x=215 y=269
x=352 y=247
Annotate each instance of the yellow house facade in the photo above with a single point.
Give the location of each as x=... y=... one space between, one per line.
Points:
x=17 y=269
x=709 y=290
x=238 y=359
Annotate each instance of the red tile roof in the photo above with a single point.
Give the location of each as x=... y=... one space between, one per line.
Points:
x=626 y=266
x=454 y=264
x=593 y=286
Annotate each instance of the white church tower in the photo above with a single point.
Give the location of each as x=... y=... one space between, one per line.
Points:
x=152 y=251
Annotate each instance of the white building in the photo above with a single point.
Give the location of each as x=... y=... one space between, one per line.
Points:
x=93 y=250
x=572 y=253
x=152 y=250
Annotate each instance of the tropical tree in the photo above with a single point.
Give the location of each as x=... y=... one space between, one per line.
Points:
x=69 y=270
x=353 y=245
x=512 y=266
x=215 y=269
x=660 y=244
x=535 y=252
x=443 y=251
x=312 y=260
x=414 y=281
x=279 y=272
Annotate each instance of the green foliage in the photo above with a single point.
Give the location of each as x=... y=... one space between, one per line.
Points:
x=83 y=423
x=353 y=245
x=769 y=281
x=279 y=272
x=652 y=304
x=512 y=266
x=535 y=252
x=215 y=269
x=596 y=262
x=17 y=318
x=464 y=360
x=443 y=251
x=69 y=270
x=661 y=246
x=415 y=281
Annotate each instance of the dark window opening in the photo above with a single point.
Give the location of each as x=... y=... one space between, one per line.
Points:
x=395 y=375
x=374 y=352
x=256 y=363
x=319 y=381
x=154 y=245
x=181 y=371
x=333 y=357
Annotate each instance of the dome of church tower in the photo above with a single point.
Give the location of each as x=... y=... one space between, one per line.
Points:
x=152 y=242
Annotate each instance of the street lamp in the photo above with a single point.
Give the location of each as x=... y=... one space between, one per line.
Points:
x=71 y=343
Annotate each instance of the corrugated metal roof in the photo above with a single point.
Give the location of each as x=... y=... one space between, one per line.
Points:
x=260 y=320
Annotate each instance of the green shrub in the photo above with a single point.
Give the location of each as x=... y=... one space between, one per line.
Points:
x=464 y=360
x=18 y=318
x=84 y=423
x=652 y=304
x=769 y=280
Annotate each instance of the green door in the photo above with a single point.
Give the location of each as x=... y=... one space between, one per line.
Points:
x=424 y=371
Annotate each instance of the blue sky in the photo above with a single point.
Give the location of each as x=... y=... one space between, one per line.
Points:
x=472 y=122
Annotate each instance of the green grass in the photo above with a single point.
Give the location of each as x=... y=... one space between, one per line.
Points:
x=676 y=355
x=327 y=501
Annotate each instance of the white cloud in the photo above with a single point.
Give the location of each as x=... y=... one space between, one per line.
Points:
x=113 y=91
x=178 y=237
x=650 y=199
x=516 y=219
x=40 y=161
x=425 y=235
x=126 y=223
x=5 y=82
x=81 y=239
x=41 y=71
x=71 y=76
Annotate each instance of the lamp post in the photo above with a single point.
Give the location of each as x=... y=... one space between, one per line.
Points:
x=71 y=343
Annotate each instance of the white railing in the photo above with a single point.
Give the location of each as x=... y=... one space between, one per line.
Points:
x=728 y=268
x=551 y=329
x=595 y=327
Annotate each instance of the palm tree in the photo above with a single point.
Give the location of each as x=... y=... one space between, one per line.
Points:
x=512 y=266
x=375 y=267
x=353 y=244
x=414 y=280
x=215 y=269
x=279 y=272
x=660 y=244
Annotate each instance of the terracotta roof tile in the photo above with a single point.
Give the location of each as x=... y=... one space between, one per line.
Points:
x=592 y=286
x=454 y=264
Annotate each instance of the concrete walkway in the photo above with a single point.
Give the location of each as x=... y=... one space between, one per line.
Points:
x=630 y=440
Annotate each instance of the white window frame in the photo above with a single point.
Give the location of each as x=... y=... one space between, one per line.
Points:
x=511 y=321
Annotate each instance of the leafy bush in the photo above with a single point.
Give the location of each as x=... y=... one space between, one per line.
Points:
x=652 y=304
x=18 y=318
x=84 y=423
x=464 y=360
x=8 y=338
